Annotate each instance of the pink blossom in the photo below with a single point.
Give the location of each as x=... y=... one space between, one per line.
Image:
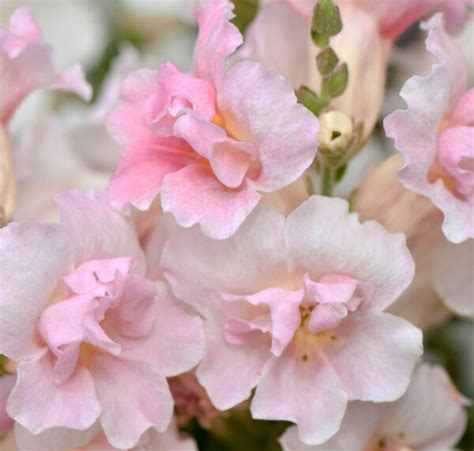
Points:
x=91 y=335
x=429 y=416
x=295 y=308
x=26 y=63
x=211 y=140
x=444 y=270
x=435 y=134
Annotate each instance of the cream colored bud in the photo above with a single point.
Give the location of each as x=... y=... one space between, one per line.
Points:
x=7 y=180
x=335 y=130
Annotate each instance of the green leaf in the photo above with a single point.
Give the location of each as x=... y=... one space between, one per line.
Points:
x=326 y=22
x=245 y=11
x=310 y=100
x=338 y=81
x=327 y=61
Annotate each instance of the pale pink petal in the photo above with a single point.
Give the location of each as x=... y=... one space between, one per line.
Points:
x=74 y=80
x=356 y=429
x=33 y=259
x=229 y=372
x=284 y=313
x=193 y=195
x=266 y=41
x=230 y=160
x=453 y=277
x=323 y=237
x=38 y=403
x=217 y=39
x=195 y=264
x=463 y=114
x=54 y=439
x=307 y=393
x=133 y=312
x=360 y=356
x=176 y=342
x=23 y=30
x=430 y=415
x=415 y=130
x=89 y=274
x=6 y=384
x=199 y=133
x=140 y=173
x=31 y=69
x=100 y=231
x=133 y=397
x=66 y=324
x=260 y=106
x=326 y=316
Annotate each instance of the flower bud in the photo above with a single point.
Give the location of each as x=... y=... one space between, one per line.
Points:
x=335 y=130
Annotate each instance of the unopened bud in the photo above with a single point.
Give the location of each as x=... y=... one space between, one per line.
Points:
x=335 y=131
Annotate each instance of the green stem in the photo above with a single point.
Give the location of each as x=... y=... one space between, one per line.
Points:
x=327 y=180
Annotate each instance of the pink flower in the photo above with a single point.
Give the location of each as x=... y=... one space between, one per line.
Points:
x=435 y=134
x=295 y=308
x=209 y=141
x=93 y=338
x=26 y=64
x=429 y=416
x=443 y=269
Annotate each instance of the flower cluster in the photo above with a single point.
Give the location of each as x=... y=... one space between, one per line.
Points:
x=212 y=276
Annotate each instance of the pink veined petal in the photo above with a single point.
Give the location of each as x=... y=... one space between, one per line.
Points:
x=98 y=231
x=230 y=160
x=266 y=41
x=195 y=264
x=335 y=288
x=201 y=134
x=200 y=93
x=217 y=39
x=360 y=358
x=134 y=311
x=325 y=238
x=31 y=69
x=455 y=147
x=194 y=195
x=38 y=403
x=175 y=344
x=326 y=316
x=307 y=393
x=33 y=258
x=260 y=106
x=87 y=276
x=284 y=313
x=133 y=397
x=140 y=174
x=230 y=372
x=463 y=114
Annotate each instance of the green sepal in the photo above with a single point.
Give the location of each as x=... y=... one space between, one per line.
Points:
x=338 y=80
x=326 y=22
x=327 y=61
x=310 y=100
